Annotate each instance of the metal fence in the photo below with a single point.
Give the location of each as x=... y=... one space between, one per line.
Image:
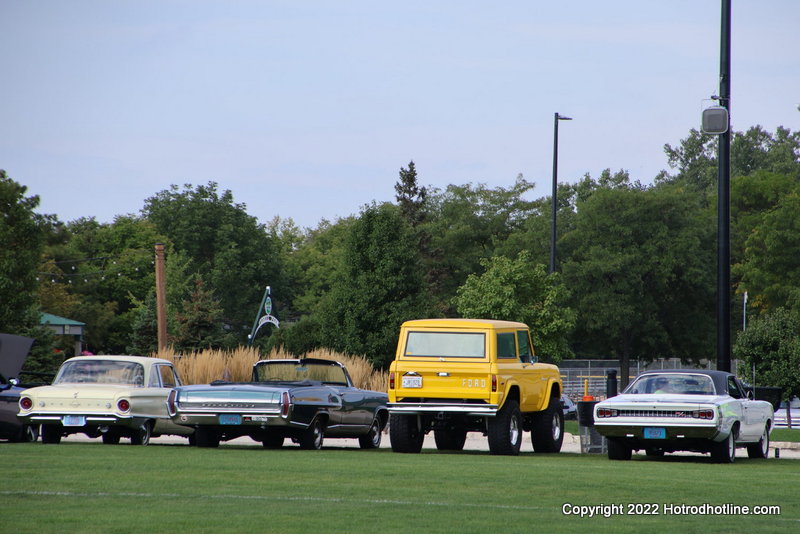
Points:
x=576 y=374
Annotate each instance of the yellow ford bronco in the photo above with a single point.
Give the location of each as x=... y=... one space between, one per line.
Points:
x=455 y=376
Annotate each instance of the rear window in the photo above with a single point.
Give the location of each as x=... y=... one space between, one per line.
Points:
x=446 y=344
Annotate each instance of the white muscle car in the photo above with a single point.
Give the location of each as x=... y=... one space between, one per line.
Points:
x=108 y=396
x=685 y=410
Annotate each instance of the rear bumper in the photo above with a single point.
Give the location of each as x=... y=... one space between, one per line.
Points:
x=435 y=408
x=635 y=431
x=90 y=419
x=252 y=420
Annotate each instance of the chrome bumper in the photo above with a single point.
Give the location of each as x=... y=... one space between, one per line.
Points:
x=489 y=410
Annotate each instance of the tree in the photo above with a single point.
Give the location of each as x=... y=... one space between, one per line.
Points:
x=22 y=238
x=771 y=343
x=751 y=151
x=518 y=290
x=378 y=285
x=410 y=196
x=639 y=265
x=199 y=324
x=770 y=269
x=231 y=250
x=108 y=268
x=467 y=224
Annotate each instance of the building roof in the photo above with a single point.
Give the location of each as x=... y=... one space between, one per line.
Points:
x=49 y=318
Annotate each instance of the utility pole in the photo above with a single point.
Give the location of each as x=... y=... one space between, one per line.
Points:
x=161 y=297
x=724 y=201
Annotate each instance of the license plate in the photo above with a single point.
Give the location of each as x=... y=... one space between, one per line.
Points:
x=257 y=418
x=73 y=420
x=655 y=433
x=412 y=381
x=230 y=419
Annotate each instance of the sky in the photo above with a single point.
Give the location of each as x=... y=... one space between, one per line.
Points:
x=308 y=110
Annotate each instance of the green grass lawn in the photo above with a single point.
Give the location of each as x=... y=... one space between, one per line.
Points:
x=94 y=488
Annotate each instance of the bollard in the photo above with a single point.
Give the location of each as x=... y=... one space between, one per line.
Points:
x=591 y=440
x=611 y=383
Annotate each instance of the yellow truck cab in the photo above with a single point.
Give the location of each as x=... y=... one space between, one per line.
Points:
x=455 y=376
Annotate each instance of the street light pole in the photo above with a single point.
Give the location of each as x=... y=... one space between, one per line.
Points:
x=556 y=118
x=724 y=201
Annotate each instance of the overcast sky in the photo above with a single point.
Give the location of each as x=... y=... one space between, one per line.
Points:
x=308 y=109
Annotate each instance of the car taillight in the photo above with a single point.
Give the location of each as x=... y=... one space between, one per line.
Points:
x=171 y=402
x=606 y=412
x=494 y=383
x=25 y=403
x=391 y=380
x=285 y=404
x=123 y=405
x=704 y=414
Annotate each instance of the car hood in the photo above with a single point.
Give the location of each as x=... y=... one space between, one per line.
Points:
x=663 y=398
x=13 y=353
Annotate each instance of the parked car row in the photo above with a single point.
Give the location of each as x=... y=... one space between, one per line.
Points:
x=450 y=377
x=137 y=397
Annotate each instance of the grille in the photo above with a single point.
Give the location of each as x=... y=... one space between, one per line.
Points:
x=655 y=413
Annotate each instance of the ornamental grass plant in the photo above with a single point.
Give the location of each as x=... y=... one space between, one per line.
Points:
x=205 y=366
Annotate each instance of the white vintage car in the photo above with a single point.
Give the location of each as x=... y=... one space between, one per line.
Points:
x=685 y=410
x=108 y=396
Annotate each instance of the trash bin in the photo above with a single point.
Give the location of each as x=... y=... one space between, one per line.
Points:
x=591 y=440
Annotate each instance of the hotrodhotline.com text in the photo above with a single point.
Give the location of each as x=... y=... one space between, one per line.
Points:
x=640 y=509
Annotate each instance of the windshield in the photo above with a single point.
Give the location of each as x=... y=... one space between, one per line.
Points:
x=101 y=372
x=680 y=383
x=446 y=345
x=298 y=372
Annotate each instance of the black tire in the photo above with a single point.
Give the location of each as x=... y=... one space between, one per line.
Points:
x=206 y=437
x=111 y=437
x=760 y=449
x=547 y=433
x=141 y=434
x=724 y=452
x=372 y=439
x=26 y=434
x=618 y=450
x=505 y=430
x=311 y=438
x=51 y=434
x=273 y=441
x=405 y=433
x=450 y=439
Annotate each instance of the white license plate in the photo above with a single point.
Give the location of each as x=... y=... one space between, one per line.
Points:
x=257 y=418
x=412 y=381
x=73 y=420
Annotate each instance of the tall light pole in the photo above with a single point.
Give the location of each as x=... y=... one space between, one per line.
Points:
x=555 y=190
x=724 y=201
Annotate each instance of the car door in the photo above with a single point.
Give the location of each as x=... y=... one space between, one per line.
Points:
x=750 y=424
x=162 y=379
